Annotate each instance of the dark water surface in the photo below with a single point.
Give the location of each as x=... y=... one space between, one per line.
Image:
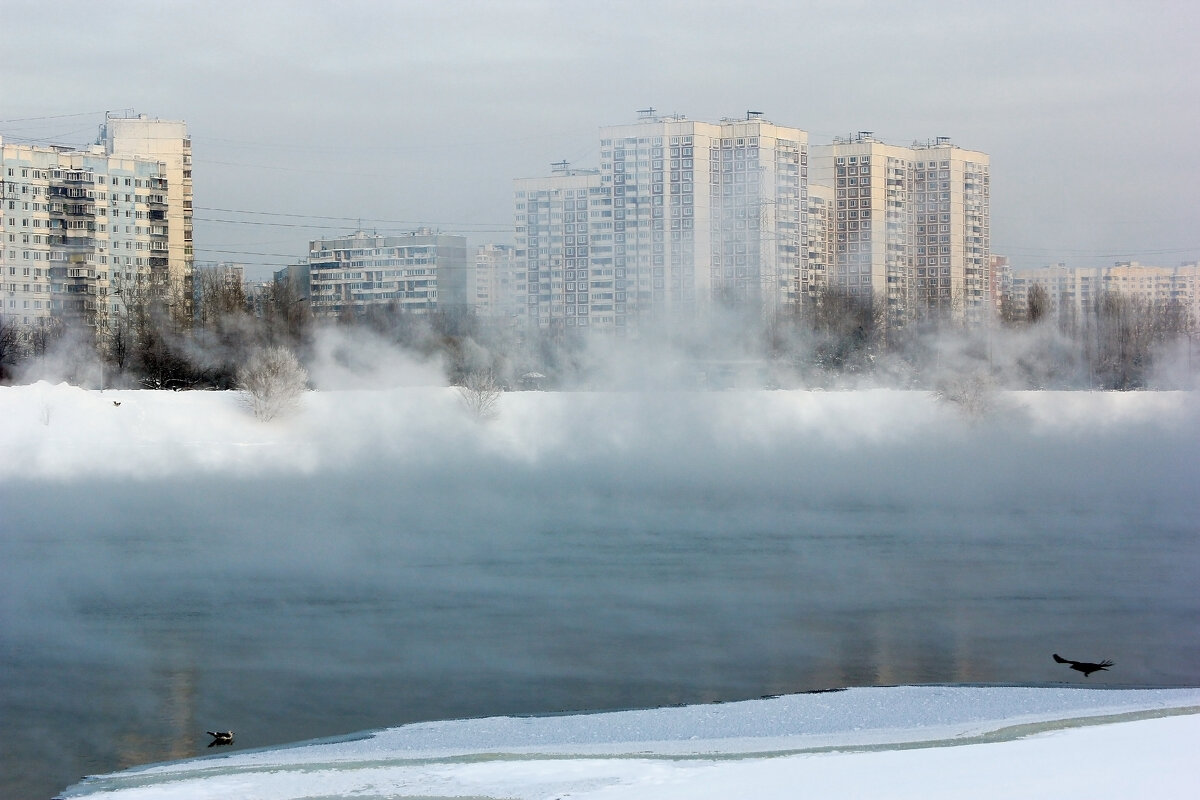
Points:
x=138 y=615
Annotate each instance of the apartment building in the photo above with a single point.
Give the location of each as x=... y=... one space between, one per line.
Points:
x=912 y=224
x=498 y=293
x=168 y=143
x=820 y=257
x=80 y=228
x=1073 y=291
x=679 y=214
x=563 y=259
x=421 y=271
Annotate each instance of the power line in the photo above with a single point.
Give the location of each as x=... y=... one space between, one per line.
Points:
x=54 y=116
x=482 y=227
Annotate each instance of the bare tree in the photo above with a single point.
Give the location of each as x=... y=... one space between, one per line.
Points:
x=1125 y=334
x=1010 y=314
x=288 y=315
x=480 y=393
x=974 y=394
x=273 y=381
x=43 y=334
x=13 y=346
x=1037 y=304
x=220 y=295
x=849 y=330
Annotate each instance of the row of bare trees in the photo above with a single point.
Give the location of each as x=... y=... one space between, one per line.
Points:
x=1119 y=342
x=1120 y=339
x=147 y=335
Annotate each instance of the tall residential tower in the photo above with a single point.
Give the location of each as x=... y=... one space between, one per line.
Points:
x=679 y=215
x=911 y=224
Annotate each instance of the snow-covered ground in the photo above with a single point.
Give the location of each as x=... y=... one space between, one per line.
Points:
x=61 y=431
x=902 y=742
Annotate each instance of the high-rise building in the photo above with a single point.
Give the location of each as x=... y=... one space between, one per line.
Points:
x=911 y=226
x=168 y=143
x=420 y=271
x=680 y=214
x=563 y=255
x=80 y=229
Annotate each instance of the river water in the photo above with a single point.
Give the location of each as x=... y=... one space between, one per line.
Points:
x=139 y=613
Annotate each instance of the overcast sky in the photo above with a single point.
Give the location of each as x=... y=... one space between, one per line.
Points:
x=306 y=117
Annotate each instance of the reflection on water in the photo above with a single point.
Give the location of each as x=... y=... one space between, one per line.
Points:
x=287 y=610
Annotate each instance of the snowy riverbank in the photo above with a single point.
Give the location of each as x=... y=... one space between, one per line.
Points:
x=901 y=742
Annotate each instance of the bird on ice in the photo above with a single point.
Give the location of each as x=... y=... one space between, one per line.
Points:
x=220 y=737
x=1086 y=667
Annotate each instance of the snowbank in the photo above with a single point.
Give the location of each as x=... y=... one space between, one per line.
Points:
x=901 y=742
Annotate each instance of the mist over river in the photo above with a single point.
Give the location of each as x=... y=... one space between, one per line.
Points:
x=170 y=565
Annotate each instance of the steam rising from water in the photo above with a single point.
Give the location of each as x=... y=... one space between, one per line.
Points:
x=381 y=555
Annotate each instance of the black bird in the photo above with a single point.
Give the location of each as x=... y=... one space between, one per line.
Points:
x=220 y=737
x=1086 y=667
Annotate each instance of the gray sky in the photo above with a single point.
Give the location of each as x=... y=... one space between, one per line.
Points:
x=306 y=116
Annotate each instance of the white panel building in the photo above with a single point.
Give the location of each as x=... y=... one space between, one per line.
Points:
x=77 y=227
x=168 y=143
x=564 y=244
x=680 y=213
x=421 y=271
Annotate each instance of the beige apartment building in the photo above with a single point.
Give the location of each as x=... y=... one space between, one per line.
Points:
x=77 y=226
x=820 y=259
x=1072 y=291
x=911 y=225
x=168 y=143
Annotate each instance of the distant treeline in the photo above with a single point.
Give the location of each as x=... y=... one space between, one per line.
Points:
x=831 y=340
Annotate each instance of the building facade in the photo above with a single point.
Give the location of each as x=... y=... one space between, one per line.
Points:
x=563 y=262
x=912 y=225
x=1072 y=291
x=820 y=257
x=498 y=293
x=81 y=229
x=421 y=271
x=679 y=215
x=168 y=143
